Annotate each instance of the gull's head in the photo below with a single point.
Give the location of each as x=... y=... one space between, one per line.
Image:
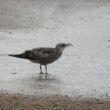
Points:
x=62 y=46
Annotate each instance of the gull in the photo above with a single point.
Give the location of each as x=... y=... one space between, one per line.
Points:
x=43 y=55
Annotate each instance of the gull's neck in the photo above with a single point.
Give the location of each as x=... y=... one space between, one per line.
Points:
x=60 y=50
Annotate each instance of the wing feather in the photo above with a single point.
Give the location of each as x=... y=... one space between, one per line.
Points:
x=41 y=53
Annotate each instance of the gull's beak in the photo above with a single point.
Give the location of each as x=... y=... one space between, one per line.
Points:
x=69 y=45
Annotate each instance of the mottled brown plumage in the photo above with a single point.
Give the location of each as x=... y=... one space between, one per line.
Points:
x=43 y=56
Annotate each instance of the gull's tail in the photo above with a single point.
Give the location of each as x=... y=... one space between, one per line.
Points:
x=16 y=55
x=25 y=55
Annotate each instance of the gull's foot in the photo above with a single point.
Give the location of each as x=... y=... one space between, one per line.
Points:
x=46 y=73
x=41 y=73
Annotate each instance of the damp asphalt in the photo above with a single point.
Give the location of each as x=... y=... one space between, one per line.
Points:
x=83 y=70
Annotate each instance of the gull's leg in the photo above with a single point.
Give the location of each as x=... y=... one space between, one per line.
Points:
x=41 y=69
x=46 y=68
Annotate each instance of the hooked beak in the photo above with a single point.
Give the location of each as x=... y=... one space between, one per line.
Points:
x=69 y=45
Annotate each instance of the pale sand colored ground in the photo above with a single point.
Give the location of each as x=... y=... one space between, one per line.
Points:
x=26 y=102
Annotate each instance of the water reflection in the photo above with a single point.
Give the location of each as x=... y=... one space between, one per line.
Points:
x=44 y=76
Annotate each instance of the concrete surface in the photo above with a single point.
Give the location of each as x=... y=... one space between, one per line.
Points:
x=83 y=70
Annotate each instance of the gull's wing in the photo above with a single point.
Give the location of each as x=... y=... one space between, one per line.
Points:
x=39 y=53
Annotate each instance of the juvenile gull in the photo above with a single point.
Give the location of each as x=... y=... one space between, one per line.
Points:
x=43 y=56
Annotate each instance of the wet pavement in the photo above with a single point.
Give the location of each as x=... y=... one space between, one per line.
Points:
x=83 y=70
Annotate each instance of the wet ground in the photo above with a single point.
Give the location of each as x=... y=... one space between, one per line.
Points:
x=83 y=70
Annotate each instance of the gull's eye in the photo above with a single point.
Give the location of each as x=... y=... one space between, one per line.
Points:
x=63 y=45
